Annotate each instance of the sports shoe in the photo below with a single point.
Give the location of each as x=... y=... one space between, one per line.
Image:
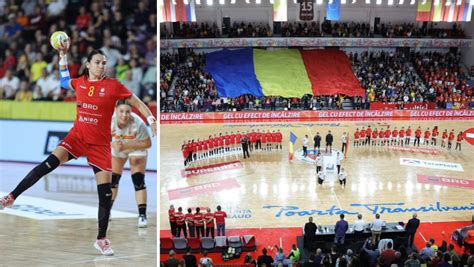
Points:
x=6 y=201
x=142 y=222
x=103 y=246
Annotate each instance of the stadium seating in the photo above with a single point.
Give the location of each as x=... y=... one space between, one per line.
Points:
x=166 y=244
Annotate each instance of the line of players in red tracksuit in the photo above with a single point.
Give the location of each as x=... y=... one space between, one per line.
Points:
x=384 y=137
x=224 y=144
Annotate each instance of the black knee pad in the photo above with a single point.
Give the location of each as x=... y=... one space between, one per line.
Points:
x=115 y=179
x=105 y=195
x=48 y=165
x=138 y=179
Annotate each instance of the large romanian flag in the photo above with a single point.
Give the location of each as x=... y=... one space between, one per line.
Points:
x=282 y=72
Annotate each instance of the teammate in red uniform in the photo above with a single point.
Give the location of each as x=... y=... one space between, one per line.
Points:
x=394 y=136
x=279 y=139
x=209 y=219
x=172 y=220
x=401 y=136
x=238 y=138
x=417 y=136
x=459 y=140
x=363 y=134
x=356 y=137
x=227 y=146
x=375 y=134
x=387 y=136
x=269 y=137
x=426 y=140
x=450 y=139
x=444 y=137
x=369 y=135
x=199 y=223
x=381 y=137
x=408 y=137
x=434 y=136
x=90 y=136
x=180 y=223
x=252 y=139
x=184 y=149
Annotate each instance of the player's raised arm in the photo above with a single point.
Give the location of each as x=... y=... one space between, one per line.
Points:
x=61 y=42
x=145 y=111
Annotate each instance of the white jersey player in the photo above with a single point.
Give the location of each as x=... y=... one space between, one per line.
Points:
x=130 y=140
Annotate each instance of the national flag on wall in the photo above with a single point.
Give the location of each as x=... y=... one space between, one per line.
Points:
x=423 y=12
x=292 y=143
x=438 y=10
x=178 y=12
x=280 y=10
x=333 y=10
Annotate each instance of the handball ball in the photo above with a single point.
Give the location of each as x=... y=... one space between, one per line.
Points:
x=59 y=40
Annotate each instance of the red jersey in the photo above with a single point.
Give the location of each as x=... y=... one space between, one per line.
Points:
x=189 y=217
x=369 y=131
x=209 y=216
x=387 y=133
x=215 y=141
x=445 y=135
x=253 y=137
x=194 y=146
x=409 y=132
x=279 y=137
x=401 y=133
x=427 y=134
x=179 y=218
x=356 y=135
x=460 y=138
x=451 y=136
x=394 y=133
x=232 y=139
x=171 y=215
x=374 y=134
x=362 y=133
x=237 y=138
x=220 y=217
x=418 y=133
x=198 y=219
x=435 y=133
x=227 y=139
x=199 y=146
x=263 y=138
x=258 y=135
x=220 y=140
x=185 y=151
x=381 y=134
x=205 y=145
x=275 y=137
x=95 y=105
x=269 y=137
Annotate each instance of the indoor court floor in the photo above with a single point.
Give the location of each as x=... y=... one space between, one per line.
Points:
x=268 y=191
x=55 y=221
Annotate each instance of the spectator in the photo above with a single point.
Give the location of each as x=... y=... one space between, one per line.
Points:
x=9 y=85
x=371 y=252
x=411 y=228
x=189 y=259
x=413 y=261
x=205 y=261
x=376 y=228
x=359 y=226
x=172 y=261
x=387 y=256
x=294 y=254
x=264 y=259
x=24 y=94
x=248 y=260
x=340 y=230
x=426 y=252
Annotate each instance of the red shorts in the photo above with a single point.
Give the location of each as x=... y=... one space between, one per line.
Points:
x=97 y=155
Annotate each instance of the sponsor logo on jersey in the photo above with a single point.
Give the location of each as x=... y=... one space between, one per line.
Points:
x=88 y=120
x=102 y=92
x=87 y=106
x=82 y=87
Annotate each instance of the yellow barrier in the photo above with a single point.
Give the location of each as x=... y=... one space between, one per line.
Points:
x=40 y=110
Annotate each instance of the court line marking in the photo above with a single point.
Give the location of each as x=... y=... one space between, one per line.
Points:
x=106 y=258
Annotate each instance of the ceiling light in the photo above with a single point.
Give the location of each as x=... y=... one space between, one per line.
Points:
x=390 y=2
x=378 y=2
x=210 y=2
x=343 y=2
x=221 y=2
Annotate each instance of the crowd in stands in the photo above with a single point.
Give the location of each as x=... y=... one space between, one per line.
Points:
x=444 y=78
x=124 y=30
x=310 y=29
x=387 y=77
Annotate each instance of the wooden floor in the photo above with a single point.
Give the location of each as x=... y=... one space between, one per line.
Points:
x=64 y=242
x=269 y=183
